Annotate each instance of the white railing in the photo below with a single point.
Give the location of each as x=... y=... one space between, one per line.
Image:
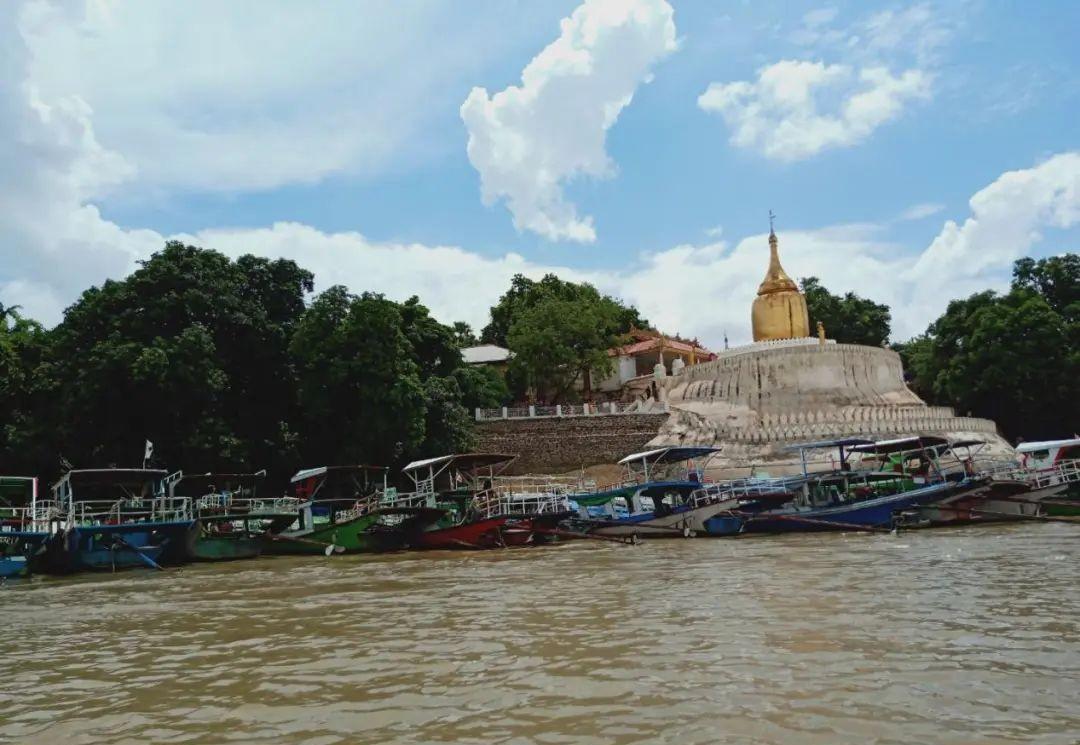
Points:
x=565 y=411
x=1064 y=472
x=226 y=503
x=115 y=512
x=726 y=491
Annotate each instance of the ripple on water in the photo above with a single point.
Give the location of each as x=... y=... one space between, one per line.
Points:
x=932 y=637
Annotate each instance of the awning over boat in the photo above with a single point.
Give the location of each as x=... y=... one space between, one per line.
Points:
x=464 y=461
x=1029 y=447
x=307 y=473
x=93 y=476
x=847 y=442
x=670 y=454
x=900 y=445
x=966 y=443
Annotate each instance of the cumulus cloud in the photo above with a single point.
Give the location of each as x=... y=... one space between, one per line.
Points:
x=921 y=211
x=1007 y=221
x=219 y=96
x=784 y=115
x=527 y=141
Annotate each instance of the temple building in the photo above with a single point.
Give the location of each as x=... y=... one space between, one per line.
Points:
x=637 y=361
x=788 y=387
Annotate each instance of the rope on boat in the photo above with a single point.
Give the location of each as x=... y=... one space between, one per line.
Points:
x=1009 y=515
x=625 y=540
x=749 y=517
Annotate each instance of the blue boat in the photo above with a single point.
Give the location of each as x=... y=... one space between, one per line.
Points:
x=664 y=496
x=865 y=499
x=23 y=521
x=117 y=518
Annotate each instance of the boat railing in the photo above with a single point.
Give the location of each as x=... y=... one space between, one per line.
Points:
x=725 y=491
x=533 y=504
x=1062 y=472
x=15 y=518
x=407 y=499
x=540 y=485
x=116 y=512
x=214 y=504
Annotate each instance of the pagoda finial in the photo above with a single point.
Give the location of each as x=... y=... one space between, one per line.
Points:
x=772 y=218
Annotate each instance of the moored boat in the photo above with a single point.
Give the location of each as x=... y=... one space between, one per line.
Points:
x=116 y=518
x=473 y=514
x=661 y=497
x=864 y=499
x=231 y=521
x=24 y=524
x=344 y=509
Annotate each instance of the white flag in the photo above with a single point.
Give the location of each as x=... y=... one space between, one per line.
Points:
x=149 y=451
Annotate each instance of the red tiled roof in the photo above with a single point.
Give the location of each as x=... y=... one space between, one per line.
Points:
x=647 y=345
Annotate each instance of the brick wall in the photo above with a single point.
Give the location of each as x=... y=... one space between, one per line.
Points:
x=552 y=445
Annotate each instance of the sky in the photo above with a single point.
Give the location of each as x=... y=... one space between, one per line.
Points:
x=910 y=151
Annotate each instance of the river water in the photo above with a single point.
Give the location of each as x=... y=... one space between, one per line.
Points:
x=947 y=636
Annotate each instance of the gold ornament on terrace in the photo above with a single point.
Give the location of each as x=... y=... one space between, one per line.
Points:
x=779 y=310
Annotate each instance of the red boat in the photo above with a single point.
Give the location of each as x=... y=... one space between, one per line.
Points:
x=487 y=533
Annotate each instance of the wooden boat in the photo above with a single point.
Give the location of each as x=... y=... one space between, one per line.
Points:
x=23 y=525
x=116 y=518
x=341 y=510
x=1031 y=487
x=474 y=515
x=663 y=496
x=231 y=521
x=1055 y=461
x=847 y=499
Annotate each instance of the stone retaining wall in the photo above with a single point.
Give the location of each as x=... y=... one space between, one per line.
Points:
x=553 y=445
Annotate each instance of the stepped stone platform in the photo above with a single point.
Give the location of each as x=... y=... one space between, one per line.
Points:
x=756 y=400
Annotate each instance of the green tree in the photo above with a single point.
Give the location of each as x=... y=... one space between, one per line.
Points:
x=189 y=351
x=1011 y=358
x=463 y=335
x=559 y=342
x=525 y=293
x=377 y=380
x=23 y=385
x=849 y=319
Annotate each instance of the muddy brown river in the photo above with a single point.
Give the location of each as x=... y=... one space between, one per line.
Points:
x=948 y=636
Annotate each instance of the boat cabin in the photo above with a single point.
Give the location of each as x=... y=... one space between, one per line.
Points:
x=111 y=496
x=461 y=483
x=1049 y=453
x=327 y=495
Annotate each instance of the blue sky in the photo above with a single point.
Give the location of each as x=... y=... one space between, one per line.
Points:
x=911 y=151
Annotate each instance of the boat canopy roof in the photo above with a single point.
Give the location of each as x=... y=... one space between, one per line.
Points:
x=669 y=455
x=307 y=473
x=206 y=480
x=464 y=461
x=16 y=489
x=1029 y=447
x=846 y=442
x=95 y=476
x=961 y=443
x=900 y=445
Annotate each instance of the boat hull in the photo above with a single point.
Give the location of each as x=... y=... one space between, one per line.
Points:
x=354 y=536
x=878 y=513
x=205 y=548
x=14 y=566
x=479 y=534
x=112 y=547
x=677 y=524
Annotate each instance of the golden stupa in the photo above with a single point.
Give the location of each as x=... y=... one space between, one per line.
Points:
x=779 y=310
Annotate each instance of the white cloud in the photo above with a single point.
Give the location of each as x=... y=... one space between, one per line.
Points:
x=528 y=141
x=921 y=211
x=239 y=96
x=1007 y=220
x=784 y=114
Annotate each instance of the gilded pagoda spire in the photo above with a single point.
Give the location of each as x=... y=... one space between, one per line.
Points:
x=779 y=311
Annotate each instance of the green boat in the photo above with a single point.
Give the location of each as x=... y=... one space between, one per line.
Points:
x=340 y=511
x=231 y=521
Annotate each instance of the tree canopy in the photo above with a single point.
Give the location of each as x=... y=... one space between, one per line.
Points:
x=223 y=365
x=849 y=319
x=1013 y=358
x=525 y=293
